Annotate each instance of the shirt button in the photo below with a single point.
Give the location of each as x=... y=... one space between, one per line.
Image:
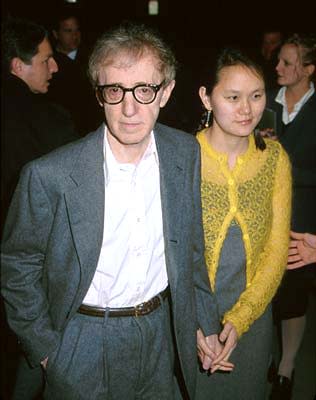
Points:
x=239 y=161
x=246 y=236
x=248 y=285
x=230 y=182
x=233 y=209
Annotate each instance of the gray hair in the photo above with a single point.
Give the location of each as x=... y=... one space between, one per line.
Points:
x=134 y=40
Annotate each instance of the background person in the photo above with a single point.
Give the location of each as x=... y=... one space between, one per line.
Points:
x=70 y=86
x=31 y=126
x=244 y=181
x=271 y=41
x=295 y=107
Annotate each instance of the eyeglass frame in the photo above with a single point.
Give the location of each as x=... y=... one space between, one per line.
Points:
x=99 y=91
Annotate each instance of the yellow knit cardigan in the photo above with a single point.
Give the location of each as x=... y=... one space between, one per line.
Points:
x=256 y=194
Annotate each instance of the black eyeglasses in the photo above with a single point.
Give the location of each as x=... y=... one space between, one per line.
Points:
x=114 y=94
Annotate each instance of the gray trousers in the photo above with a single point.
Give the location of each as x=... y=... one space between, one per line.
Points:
x=114 y=358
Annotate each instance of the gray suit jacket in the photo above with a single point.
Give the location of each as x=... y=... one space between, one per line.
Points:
x=53 y=237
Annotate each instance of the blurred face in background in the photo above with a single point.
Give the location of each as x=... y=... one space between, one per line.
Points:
x=68 y=35
x=270 y=42
x=38 y=73
x=290 y=69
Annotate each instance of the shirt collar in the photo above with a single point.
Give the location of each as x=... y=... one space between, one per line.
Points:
x=73 y=54
x=112 y=168
x=280 y=97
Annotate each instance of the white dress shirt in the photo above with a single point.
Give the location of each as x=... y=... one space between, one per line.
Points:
x=73 y=54
x=280 y=98
x=131 y=267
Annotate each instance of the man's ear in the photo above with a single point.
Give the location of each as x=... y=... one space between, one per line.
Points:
x=98 y=100
x=16 y=66
x=167 y=90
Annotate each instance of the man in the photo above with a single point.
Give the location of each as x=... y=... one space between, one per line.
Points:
x=68 y=35
x=30 y=127
x=72 y=59
x=103 y=258
x=271 y=42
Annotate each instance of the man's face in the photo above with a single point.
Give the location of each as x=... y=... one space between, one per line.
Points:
x=37 y=74
x=129 y=122
x=271 y=41
x=68 y=35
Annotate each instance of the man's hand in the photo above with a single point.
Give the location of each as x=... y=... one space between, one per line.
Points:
x=302 y=250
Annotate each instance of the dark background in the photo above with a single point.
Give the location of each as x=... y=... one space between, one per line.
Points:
x=187 y=22
x=194 y=29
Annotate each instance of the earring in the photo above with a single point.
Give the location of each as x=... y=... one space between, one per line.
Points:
x=208 y=117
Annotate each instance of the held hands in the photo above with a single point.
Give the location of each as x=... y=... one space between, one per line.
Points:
x=302 y=250
x=215 y=351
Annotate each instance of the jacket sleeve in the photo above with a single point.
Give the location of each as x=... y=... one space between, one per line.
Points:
x=272 y=263
x=207 y=311
x=23 y=253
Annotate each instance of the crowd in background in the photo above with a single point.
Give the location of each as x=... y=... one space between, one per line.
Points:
x=71 y=102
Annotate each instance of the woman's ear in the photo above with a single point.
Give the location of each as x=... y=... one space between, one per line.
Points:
x=205 y=98
x=310 y=69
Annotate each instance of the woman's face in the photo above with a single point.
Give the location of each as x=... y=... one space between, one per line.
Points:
x=290 y=69
x=237 y=101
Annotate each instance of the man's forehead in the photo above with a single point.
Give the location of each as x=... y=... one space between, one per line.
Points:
x=121 y=62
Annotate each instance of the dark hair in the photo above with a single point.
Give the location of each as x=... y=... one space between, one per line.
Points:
x=20 y=38
x=229 y=57
x=64 y=14
x=134 y=39
x=307 y=46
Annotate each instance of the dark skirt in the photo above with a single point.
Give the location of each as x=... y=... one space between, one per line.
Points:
x=248 y=380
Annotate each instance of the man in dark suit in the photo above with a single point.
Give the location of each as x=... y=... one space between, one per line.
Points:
x=30 y=127
x=103 y=273
x=71 y=56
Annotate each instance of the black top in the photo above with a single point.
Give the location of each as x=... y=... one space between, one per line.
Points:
x=299 y=140
x=70 y=87
x=31 y=126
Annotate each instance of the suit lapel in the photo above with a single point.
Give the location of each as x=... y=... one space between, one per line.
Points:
x=85 y=205
x=85 y=202
x=172 y=174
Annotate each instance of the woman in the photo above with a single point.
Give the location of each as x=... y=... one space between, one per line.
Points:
x=295 y=107
x=244 y=180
